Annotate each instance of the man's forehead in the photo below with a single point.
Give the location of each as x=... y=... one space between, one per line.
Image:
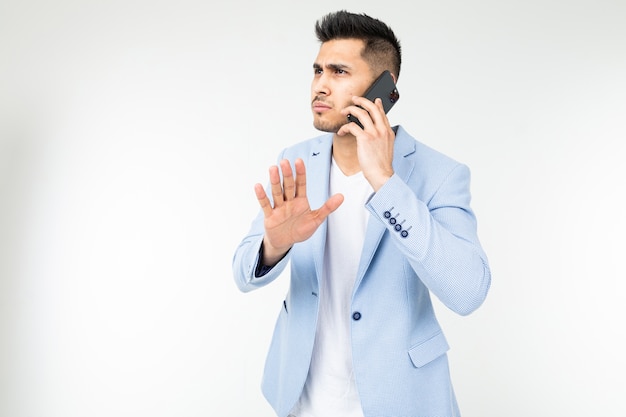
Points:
x=340 y=53
x=343 y=47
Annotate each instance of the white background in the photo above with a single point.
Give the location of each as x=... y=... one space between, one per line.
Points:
x=132 y=133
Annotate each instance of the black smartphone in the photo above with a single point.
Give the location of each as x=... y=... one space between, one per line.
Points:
x=383 y=88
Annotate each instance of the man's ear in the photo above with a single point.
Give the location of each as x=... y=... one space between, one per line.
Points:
x=395 y=79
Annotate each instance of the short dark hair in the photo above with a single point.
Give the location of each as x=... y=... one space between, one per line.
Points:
x=382 y=48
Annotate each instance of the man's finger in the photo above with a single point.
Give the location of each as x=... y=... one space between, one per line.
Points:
x=378 y=116
x=329 y=206
x=288 y=181
x=300 y=178
x=277 y=189
x=264 y=202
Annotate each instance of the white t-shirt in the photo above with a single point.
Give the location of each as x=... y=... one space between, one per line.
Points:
x=330 y=389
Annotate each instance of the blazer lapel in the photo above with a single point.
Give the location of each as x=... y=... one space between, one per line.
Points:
x=318 y=173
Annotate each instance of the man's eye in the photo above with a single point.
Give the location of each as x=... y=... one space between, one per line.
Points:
x=340 y=71
x=317 y=71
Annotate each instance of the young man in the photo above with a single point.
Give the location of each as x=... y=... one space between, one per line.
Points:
x=357 y=334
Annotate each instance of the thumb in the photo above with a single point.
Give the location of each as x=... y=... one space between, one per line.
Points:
x=329 y=206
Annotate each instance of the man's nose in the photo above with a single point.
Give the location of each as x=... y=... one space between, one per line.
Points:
x=320 y=85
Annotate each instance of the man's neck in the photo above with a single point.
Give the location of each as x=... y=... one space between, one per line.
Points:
x=345 y=154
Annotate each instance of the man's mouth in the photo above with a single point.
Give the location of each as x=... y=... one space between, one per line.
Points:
x=320 y=106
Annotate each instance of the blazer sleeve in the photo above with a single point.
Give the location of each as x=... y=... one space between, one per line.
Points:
x=438 y=238
x=246 y=257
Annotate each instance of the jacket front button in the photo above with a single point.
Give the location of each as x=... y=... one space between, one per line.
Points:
x=356 y=316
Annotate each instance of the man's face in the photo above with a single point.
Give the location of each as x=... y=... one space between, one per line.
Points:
x=340 y=73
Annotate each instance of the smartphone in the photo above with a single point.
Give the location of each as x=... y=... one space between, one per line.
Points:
x=383 y=88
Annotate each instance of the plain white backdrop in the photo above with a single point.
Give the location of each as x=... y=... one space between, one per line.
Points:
x=132 y=133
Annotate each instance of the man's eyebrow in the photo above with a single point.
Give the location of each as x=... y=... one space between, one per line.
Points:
x=332 y=66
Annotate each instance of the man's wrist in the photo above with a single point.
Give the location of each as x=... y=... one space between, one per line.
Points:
x=270 y=256
x=381 y=180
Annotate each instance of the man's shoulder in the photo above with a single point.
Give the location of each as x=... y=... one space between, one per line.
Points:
x=414 y=148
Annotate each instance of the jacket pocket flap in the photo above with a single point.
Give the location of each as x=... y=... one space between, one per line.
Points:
x=428 y=350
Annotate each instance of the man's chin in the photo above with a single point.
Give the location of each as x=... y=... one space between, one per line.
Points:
x=326 y=126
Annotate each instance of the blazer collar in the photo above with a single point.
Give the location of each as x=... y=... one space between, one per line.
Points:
x=404 y=146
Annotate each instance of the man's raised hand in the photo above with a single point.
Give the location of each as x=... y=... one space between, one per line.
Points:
x=291 y=219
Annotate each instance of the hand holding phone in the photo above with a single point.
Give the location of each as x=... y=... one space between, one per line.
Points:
x=383 y=88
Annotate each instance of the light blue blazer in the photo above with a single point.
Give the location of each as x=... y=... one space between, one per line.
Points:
x=421 y=239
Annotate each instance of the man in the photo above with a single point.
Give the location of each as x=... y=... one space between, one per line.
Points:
x=357 y=334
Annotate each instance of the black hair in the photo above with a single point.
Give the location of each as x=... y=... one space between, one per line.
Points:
x=382 y=49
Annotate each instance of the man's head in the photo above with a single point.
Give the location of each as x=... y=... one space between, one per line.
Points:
x=355 y=50
x=381 y=50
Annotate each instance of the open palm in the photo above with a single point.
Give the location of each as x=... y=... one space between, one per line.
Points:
x=291 y=219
